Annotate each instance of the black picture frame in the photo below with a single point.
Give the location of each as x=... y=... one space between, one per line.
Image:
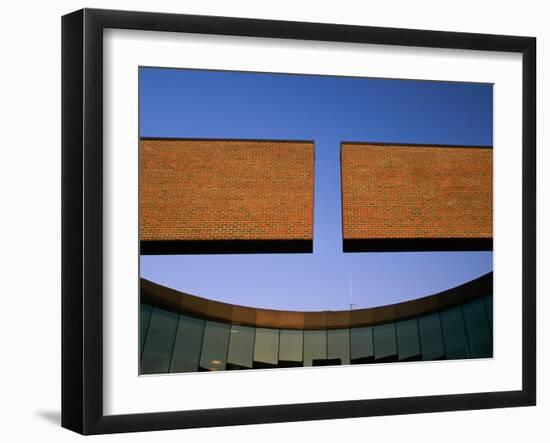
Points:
x=82 y=238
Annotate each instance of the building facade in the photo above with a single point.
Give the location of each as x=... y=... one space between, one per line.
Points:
x=257 y=196
x=185 y=333
x=226 y=196
x=405 y=197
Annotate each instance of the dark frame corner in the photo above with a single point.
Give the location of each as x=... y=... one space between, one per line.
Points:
x=82 y=254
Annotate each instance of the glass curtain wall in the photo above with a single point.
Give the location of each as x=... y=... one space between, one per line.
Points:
x=171 y=342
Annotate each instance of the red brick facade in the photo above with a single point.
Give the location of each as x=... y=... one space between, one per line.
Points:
x=416 y=192
x=226 y=190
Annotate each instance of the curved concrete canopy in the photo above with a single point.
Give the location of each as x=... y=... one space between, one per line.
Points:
x=181 y=302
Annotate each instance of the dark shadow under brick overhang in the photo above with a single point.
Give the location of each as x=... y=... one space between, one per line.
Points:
x=417 y=244
x=174 y=247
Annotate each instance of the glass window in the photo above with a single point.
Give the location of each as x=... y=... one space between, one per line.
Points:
x=478 y=331
x=315 y=347
x=338 y=347
x=454 y=335
x=431 y=337
x=159 y=343
x=489 y=309
x=362 y=349
x=145 y=316
x=214 y=346
x=187 y=347
x=385 y=346
x=291 y=347
x=408 y=343
x=241 y=347
x=266 y=348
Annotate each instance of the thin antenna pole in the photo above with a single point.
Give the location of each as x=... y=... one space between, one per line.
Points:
x=351 y=304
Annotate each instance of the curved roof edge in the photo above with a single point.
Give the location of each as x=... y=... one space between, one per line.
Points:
x=170 y=299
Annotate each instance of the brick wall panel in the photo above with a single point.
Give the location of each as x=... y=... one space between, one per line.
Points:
x=416 y=192
x=226 y=190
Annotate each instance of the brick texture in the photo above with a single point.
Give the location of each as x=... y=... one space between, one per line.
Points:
x=226 y=190
x=415 y=192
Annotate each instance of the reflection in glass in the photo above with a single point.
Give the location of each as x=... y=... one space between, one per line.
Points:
x=315 y=348
x=431 y=337
x=408 y=343
x=291 y=348
x=362 y=349
x=266 y=348
x=145 y=316
x=214 y=346
x=454 y=335
x=241 y=347
x=489 y=308
x=187 y=347
x=157 y=350
x=478 y=331
x=338 y=352
x=385 y=347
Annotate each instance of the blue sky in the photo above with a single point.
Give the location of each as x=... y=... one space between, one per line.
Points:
x=328 y=110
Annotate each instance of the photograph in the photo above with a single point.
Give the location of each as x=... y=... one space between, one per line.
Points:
x=296 y=218
x=300 y=220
